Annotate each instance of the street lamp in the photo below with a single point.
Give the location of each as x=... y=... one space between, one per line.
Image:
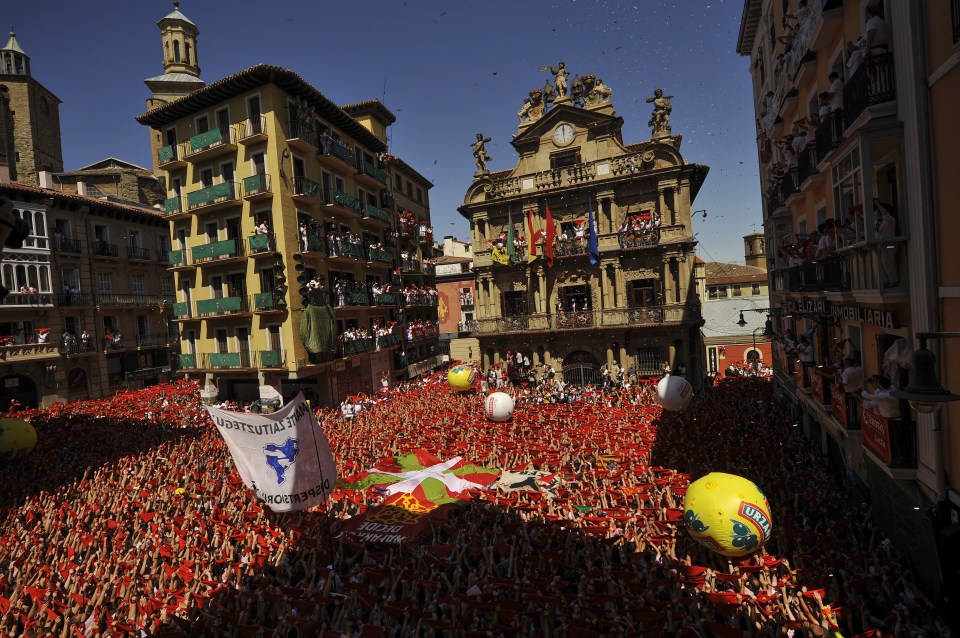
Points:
x=924 y=391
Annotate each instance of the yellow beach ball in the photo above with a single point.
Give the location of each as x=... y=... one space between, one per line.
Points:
x=727 y=514
x=17 y=438
x=461 y=378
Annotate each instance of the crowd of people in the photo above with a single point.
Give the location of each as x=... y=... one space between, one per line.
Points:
x=129 y=518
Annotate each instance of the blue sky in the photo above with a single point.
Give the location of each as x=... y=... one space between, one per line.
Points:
x=447 y=70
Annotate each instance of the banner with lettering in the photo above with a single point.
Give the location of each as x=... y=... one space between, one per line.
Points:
x=283 y=456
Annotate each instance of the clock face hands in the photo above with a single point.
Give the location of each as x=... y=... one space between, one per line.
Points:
x=563 y=134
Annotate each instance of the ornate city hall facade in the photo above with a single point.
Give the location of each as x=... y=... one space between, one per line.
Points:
x=559 y=293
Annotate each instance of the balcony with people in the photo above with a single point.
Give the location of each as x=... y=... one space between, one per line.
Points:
x=422 y=330
x=639 y=230
x=813 y=262
x=218 y=251
x=334 y=152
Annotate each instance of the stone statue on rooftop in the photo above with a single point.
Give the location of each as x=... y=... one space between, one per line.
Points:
x=561 y=74
x=660 y=118
x=480 y=154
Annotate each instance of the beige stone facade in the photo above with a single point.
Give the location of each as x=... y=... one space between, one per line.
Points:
x=89 y=265
x=638 y=306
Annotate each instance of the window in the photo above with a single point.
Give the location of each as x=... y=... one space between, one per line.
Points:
x=649 y=361
x=176 y=51
x=409 y=188
x=136 y=284
x=259 y=161
x=203 y=124
x=514 y=303
x=105 y=283
x=569 y=157
x=206 y=177
x=166 y=286
x=216 y=287
x=273 y=337
x=755 y=289
x=226 y=171
x=736 y=290
x=101 y=233
x=419 y=194
x=186 y=49
x=643 y=293
x=398 y=183
x=70 y=277
x=575 y=298
x=848 y=195
x=221 y=337
x=163 y=243
x=143 y=327
x=223 y=120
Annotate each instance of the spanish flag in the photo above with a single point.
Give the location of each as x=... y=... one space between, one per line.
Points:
x=534 y=235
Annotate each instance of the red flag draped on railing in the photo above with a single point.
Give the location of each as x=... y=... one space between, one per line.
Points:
x=551 y=235
x=534 y=237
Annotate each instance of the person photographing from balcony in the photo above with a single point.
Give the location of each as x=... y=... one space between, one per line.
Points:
x=882 y=401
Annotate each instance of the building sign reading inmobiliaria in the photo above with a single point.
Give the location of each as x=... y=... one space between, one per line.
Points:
x=282 y=456
x=874 y=316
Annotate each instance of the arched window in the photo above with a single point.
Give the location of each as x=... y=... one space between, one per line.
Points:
x=753 y=355
x=176 y=51
x=8 y=279
x=186 y=50
x=21 y=278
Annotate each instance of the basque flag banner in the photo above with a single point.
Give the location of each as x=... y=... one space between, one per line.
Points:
x=282 y=456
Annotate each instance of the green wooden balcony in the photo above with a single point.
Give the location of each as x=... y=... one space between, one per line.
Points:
x=267 y=302
x=270 y=358
x=221 y=306
x=340 y=198
x=356 y=299
x=173 y=206
x=388 y=341
x=217 y=250
x=226 y=360
x=177 y=258
x=338 y=150
x=188 y=361
x=260 y=243
x=357 y=346
x=378 y=214
x=376 y=173
x=380 y=255
x=181 y=310
x=349 y=249
x=212 y=139
x=171 y=154
x=386 y=299
x=216 y=194
x=305 y=187
x=256 y=185
x=390 y=241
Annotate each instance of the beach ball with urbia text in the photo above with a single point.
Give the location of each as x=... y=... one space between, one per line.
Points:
x=17 y=438
x=727 y=514
x=674 y=393
x=499 y=407
x=461 y=378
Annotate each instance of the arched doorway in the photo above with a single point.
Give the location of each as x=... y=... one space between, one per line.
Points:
x=581 y=368
x=19 y=387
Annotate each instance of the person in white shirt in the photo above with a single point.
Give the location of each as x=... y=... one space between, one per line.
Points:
x=875 y=34
x=886 y=227
x=836 y=92
x=827 y=245
x=882 y=400
x=805 y=354
x=852 y=380
x=855 y=52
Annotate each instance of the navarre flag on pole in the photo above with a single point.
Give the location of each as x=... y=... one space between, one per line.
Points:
x=534 y=237
x=594 y=248
x=511 y=237
x=549 y=237
x=282 y=456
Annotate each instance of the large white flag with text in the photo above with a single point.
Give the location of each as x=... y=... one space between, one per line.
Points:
x=282 y=456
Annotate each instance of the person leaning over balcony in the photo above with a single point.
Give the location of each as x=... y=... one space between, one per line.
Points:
x=836 y=92
x=882 y=401
x=855 y=52
x=827 y=244
x=875 y=34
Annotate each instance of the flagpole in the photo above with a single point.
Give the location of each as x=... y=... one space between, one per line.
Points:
x=326 y=497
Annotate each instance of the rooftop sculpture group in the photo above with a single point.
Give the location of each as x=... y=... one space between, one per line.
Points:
x=587 y=91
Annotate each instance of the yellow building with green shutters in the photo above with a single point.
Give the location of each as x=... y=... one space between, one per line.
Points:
x=279 y=200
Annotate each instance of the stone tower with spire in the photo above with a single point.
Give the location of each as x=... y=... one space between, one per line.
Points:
x=181 y=69
x=29 y=119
